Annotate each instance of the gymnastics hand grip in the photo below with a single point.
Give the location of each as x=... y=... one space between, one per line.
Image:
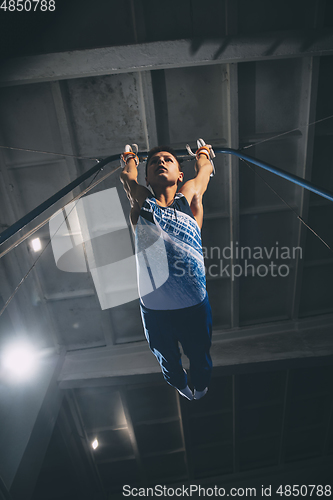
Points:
x=130 y=152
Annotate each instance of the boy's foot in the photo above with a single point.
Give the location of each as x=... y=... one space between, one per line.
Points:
x=200 y=394
x=186 y=393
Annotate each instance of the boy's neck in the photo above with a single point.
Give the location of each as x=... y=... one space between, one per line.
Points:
x=166 y=195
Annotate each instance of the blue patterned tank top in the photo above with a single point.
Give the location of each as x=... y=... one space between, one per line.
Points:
x=170 y=264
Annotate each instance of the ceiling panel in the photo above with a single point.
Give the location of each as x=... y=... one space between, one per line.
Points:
x=322 y=159
x=106 y=114
x=101 y=408
x=34 y=184
x=145 y=403
x=219 y=297
x=28 y=120
x=127 y=323
x=113 y=445
x=115 y=475
x=157 y=468
x=316 y=295
x=195 y=102
x=269 y=17
x=315 y=249
x=213 y=460
x=263 y=300
x=277 y=98
x=79 y=322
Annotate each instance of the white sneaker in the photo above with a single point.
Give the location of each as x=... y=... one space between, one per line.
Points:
x=186 y=393
x=200 y=394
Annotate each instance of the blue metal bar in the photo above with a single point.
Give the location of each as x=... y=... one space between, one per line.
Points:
x=20 y=224
x=290 y=177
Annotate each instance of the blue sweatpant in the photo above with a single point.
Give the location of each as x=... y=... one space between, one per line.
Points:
x=192 y=327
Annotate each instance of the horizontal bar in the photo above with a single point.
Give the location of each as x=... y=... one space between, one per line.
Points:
x=281 y=173
x=20 y=224
x=275 y=170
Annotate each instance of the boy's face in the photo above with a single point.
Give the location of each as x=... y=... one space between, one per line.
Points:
x=163 y=168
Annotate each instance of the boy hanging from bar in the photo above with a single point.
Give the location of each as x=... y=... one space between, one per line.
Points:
x=170 y=266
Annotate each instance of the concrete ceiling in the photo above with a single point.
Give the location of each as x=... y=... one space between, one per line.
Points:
x=84 y=81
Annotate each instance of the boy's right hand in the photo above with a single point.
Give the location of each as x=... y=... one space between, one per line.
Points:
x=130 y=152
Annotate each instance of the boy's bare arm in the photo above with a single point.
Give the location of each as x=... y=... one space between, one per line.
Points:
x=194 y=189
x=197 y=186
x=135 y=192
x=204 y=169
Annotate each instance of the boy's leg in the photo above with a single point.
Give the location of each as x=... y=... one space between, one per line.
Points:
x=196 y=342
x=159 y=330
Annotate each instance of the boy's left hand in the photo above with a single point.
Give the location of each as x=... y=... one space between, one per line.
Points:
x=205 y=149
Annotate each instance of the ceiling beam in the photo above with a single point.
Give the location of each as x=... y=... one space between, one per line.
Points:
x=145 y=84
x=329 y=426
x=183 y=410
x=132 y=435
x=161 y=107
x=308 y=104
x=231 y=17
x=188 y=463
x=307 y=340
x=146 y=97
x=233 y=164
x=235 y=424
x=65 y=129
x=285 y=408
x=69 y=146
x=73 y=442
x=14 y=268
x=11 y=273
x=166 y=54
x=80 y=430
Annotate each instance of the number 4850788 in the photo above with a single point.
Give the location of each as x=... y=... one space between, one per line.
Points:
x=28 y=5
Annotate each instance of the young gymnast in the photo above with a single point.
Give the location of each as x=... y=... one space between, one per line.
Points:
x=170 y=266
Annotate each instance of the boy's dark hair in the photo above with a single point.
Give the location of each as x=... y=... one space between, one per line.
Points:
x=158 y=149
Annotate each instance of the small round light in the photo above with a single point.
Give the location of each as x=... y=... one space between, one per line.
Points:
x=95 y=444
x=20 y=360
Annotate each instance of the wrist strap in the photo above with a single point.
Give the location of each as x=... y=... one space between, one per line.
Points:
x=127 y=155
x=205 y=150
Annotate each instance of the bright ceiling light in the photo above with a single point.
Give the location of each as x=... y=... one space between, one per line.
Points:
x=95 y=444
x=19 y=360
x=36 y=244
